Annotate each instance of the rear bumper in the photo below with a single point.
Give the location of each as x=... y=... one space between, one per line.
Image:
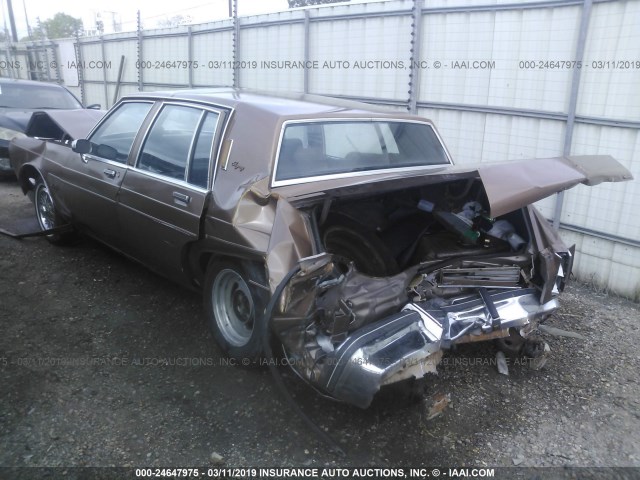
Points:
x=409 y=343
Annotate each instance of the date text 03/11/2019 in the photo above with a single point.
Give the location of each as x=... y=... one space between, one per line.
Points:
x=314 y=472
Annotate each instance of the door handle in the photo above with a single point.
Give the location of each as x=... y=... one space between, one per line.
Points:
x=181 y=197
x=110 y=173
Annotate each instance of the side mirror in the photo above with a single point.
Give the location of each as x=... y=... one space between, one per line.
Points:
x=105 y=151
x=94 y=106
x=81 y=146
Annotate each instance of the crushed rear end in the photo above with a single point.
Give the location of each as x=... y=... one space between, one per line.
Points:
x=410 y=268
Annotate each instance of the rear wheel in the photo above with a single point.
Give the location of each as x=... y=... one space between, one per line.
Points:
x=234 y=306
x=364 y=248
x=47 y=214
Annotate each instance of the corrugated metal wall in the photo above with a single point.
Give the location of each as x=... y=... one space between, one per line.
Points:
x=497 y=77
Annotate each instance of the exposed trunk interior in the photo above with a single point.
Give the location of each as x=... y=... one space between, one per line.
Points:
x=443 y=228
x=406 y=274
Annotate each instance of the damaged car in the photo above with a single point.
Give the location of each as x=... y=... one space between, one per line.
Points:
x=341 y=231
x=21 y=105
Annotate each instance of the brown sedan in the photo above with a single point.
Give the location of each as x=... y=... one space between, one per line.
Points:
x=342 y=231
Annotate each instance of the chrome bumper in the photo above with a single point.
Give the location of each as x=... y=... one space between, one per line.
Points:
x=408 y=344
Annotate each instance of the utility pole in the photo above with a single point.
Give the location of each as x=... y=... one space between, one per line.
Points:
x=26 y=17
x=12 y=22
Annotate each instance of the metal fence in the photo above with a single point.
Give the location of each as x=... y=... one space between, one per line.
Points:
x=501 y=80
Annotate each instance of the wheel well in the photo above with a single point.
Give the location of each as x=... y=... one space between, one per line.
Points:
x=25 y=176
x=206 y=258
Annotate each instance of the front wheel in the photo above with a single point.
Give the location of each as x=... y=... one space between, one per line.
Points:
x=47 y=214
x=234 y=306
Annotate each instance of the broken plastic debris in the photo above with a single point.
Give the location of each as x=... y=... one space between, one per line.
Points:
x=558 y=332
x=440 y=402
x=538 y=362
x=501 y=360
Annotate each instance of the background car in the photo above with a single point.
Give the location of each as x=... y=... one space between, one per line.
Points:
x=344 y=231
x=18 y=100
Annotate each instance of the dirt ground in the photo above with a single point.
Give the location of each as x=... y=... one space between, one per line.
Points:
x=103 y=363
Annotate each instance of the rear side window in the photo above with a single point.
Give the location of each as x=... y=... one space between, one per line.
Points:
x=120 y=129
x=199 y=165
x=179 y=144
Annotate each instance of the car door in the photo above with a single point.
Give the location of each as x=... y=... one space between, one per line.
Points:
x=162 y=197
x=92 y=185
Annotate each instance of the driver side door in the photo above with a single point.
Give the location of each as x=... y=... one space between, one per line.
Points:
x=95 y=180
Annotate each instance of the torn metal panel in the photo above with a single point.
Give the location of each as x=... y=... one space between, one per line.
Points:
x=513 y=185
x=508 y=185
x=290 y=241
x=76 y=123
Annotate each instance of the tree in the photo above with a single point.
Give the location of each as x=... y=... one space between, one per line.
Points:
x=309 y=3
x=60 y=26
x=174 y=21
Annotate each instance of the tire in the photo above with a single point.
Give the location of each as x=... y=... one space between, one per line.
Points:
x=47 y=215
x=234 y=307
x=363 y=247
x=512 y=345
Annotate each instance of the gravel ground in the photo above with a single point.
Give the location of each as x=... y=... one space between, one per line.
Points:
x=102 y=363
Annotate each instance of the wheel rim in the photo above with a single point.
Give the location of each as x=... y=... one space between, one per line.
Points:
x=44 y=208
x=233 y=307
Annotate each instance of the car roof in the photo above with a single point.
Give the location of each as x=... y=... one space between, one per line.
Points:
x=279 y=105
x=34 y=83
x=256 y=125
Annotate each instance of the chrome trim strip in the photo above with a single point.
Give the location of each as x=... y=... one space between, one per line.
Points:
x=191 y=102
x=155 y=200
x=112 y=111
x=226 y=160
x=95 y=158
x=223 y=134
x=196 y=134
x=161 y=222
x=299 y=181
x=170 y=180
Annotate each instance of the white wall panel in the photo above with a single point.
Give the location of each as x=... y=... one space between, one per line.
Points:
x=263 y=53
x=163 y=59
x=610 y=83
x=91 y=53
x=609 y=207
x=75 y=91
x=209 y=48
x=361 y=8
x=356 y=59
x=608 y=265
x=113 y=52
x=93 y=93
x=462 y=41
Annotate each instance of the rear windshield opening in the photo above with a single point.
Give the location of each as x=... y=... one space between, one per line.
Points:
x=326 y=148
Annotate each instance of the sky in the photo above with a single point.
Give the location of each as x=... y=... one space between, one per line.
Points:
x=151 y=11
